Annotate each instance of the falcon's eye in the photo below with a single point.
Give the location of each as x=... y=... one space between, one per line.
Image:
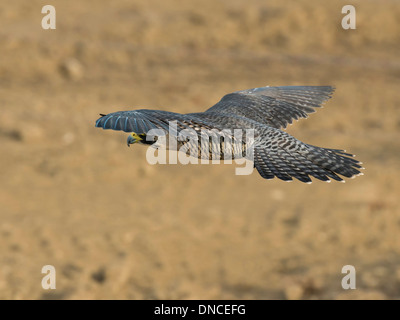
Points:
x=263 y=114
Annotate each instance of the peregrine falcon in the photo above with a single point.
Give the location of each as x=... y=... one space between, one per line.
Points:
x=266 y=111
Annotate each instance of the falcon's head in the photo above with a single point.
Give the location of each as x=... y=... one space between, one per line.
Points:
x=134 y=138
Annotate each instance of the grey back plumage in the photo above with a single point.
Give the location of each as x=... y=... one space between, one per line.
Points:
x=267 y=110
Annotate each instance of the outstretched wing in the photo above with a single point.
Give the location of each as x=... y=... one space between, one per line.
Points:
x=278 y=154
x=141 y=121
x=273 y=106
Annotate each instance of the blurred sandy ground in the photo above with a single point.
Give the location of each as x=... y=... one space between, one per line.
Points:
x=76 y=197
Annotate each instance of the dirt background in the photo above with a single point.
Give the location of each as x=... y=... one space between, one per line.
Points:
x=75 y=197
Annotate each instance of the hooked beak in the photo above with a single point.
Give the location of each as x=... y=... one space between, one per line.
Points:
x=131 y=140
x=134 y=138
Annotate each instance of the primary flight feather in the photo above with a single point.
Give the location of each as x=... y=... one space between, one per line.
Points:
x=267 y=111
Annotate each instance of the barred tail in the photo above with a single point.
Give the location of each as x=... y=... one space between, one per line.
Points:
x=300 y=161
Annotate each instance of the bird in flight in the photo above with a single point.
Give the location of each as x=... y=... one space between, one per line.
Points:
x=266 y=111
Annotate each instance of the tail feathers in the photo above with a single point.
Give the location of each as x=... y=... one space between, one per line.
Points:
x=336 y=161
x=321 y=163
